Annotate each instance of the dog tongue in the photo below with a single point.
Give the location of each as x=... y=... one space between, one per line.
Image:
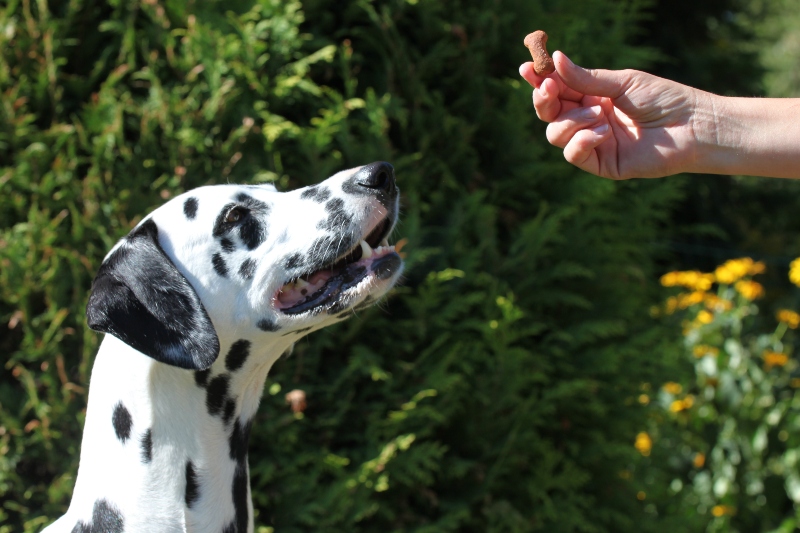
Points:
x=294 y=293
x=329 y=290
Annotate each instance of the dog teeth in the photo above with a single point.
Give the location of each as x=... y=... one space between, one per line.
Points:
x=301 y=283
x=385 y=242
x=366 y=250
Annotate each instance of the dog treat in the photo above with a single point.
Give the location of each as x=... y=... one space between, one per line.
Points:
x=542 y=62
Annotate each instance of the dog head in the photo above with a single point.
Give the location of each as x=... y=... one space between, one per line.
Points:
x=227 y=261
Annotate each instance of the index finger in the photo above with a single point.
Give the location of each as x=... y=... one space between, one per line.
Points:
x=564 y=91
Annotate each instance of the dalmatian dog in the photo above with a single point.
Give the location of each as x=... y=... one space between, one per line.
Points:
x=198 y=302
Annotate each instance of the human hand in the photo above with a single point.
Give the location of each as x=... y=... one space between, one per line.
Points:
x=620 y=124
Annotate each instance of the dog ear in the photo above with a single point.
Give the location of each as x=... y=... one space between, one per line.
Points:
x=142 y=299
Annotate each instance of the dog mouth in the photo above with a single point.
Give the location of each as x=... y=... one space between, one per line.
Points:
x=325 y=288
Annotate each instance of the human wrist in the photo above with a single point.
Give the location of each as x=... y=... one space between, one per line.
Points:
x=748 y=136
x=718 y=137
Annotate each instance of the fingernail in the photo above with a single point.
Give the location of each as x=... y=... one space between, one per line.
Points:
x=601 y=129
x=542 y=90
x=591 y=112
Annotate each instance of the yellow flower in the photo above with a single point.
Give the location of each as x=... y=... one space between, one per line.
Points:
x=691 y=279
x=790 y=318
x=643 y=443
x=671 y=305
x=681 y=405
x=794 y=271
x=749 y=289
x=735 y=269
x=672 y=387
x=644 y=399
x=685 y=300
x=772 y=359
x=701 y=350
x=690 y=299
x=699 y=460
x=704 y=317
x=722 y=510
x=715 y=303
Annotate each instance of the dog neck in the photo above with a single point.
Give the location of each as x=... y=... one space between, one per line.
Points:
x=166 y=448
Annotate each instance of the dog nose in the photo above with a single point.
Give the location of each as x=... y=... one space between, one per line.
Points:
x=376 y=176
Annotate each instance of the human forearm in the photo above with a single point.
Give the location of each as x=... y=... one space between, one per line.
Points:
x=750 y=136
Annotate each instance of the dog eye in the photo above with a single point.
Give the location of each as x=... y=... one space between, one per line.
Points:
x=235 y=215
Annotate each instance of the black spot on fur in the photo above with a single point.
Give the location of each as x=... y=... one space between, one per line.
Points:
x=240 y=435
x=240 y=483
x=105 y=519
x=227 y=245
x=190 y=207
x=267 y=324
x=192 y=487
x=230 y=528
x=248 y=200
x=339 y=219
x=311 y=192
x=122 y=421
x=368 y=302
x=237 y=355
x=294 y=261
x=147 y=446
x=247 y=269
x=337 y=204
x=316 y=193
x=201 y=377
x=219 y=265
x=323 y=251
x=216 y=394
x=252 y=233
x=252 y=230
x=298 y=331
x=230 y=410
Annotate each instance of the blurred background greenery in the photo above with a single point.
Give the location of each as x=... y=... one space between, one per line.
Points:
x=526 y=375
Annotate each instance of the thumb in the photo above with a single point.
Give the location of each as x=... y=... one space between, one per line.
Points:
x=593 y=82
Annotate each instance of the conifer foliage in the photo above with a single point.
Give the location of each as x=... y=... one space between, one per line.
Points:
x=491 y=392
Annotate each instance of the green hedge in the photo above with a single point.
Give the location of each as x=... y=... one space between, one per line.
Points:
x=491 y=392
